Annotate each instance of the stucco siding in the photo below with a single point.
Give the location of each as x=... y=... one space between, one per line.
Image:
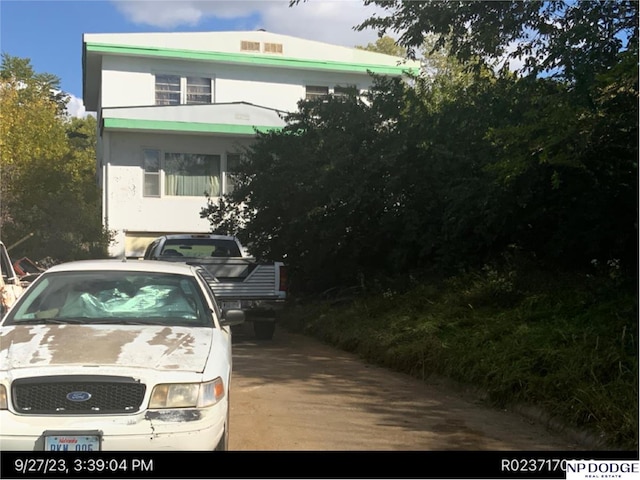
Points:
x=126 y=81
x=131 y=82
x=128 y=209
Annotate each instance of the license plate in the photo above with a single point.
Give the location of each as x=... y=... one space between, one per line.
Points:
x=233 y=305
x=72 y=443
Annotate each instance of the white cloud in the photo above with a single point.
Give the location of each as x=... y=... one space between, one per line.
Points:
x=166 y=14
x=75 y=108
x=330 y=21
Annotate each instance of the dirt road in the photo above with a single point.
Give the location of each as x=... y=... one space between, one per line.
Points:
x=295 y=393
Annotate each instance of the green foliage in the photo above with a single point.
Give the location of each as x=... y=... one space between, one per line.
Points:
x=48 y=185
x=566 y=343
x=574 y=40
x=33 y=86
x=442 y=176
x=310 y=190
x=386 y=45
x=568 y=167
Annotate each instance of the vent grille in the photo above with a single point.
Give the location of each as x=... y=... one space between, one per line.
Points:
x=92 y=395
x=272 y=47
x=247 y=46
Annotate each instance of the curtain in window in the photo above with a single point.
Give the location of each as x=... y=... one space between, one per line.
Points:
x=191 y=175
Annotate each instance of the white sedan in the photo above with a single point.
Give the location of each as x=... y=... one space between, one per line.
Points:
x=116 y=355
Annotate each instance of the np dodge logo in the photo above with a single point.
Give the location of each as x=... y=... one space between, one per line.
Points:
x=78 y=396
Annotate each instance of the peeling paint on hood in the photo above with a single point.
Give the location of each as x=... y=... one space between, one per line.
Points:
x=149 y=346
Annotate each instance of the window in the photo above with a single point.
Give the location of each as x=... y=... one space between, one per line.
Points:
x=167 y=90
x=344 y=90
x=178 y=174
x=191 y=175
x=313 y=92
x=117 y=296
x=198 y=90
x=151 y=166
x=200 y=247
x=231 y=178
x=176 y=90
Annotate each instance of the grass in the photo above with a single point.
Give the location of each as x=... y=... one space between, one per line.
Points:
x=567 y=344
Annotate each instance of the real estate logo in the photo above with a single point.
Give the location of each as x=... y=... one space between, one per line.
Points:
x=602 y=469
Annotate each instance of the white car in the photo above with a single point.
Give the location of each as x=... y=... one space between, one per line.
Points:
x=116 y=355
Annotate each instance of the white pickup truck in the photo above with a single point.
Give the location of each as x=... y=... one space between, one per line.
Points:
x=238 y=280
x=10 y=286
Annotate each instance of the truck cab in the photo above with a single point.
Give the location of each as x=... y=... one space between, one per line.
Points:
x=238 y=280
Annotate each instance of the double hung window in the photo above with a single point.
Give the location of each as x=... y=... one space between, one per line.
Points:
x=151 y=167
x=177 y=90
x=198 y=90
x=314 y=91
x=344 y=90
x=167 y=90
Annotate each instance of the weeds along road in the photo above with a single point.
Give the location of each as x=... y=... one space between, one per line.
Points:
x=295 y=393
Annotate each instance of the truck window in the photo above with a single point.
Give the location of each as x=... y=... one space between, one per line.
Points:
x=202 y=247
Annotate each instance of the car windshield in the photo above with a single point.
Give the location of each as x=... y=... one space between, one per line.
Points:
x=112 y=297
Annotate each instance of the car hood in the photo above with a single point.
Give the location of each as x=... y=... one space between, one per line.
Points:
x=149 y=346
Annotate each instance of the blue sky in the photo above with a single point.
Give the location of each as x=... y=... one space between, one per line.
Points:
x=49 y=32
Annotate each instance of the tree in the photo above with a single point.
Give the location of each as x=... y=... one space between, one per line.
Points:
x=306 y=193
x=31 y=132
x=563 y=197
x=354 y=190
x=448 y=173
x=47 y=185
x=570 y=40
x=386 y=45
x=18 y=71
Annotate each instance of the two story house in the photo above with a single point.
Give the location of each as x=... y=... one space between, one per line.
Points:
x=175 y=110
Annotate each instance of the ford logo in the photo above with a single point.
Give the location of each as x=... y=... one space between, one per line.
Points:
x=78 y=396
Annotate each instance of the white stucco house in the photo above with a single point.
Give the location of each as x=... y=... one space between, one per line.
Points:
x=175 y=109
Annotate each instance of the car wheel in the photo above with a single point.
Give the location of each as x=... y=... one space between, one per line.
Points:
x=264 y=329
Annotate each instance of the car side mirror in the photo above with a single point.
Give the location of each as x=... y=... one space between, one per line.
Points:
x=232 y=317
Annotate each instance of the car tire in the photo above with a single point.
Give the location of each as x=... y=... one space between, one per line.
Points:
x=264 y=329
x=223 y=443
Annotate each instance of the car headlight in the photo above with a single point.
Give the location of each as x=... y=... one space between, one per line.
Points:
x=180 y=395
x=3 y=398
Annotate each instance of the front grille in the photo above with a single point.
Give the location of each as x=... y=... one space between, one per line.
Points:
x=77 y=395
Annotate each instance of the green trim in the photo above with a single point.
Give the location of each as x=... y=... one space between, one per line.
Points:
x=251 y=59
x=192 y=127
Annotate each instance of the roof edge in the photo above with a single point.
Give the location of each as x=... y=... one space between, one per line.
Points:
x=250 y=59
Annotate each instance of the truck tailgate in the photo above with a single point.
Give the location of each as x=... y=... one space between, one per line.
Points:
x=258 y=281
